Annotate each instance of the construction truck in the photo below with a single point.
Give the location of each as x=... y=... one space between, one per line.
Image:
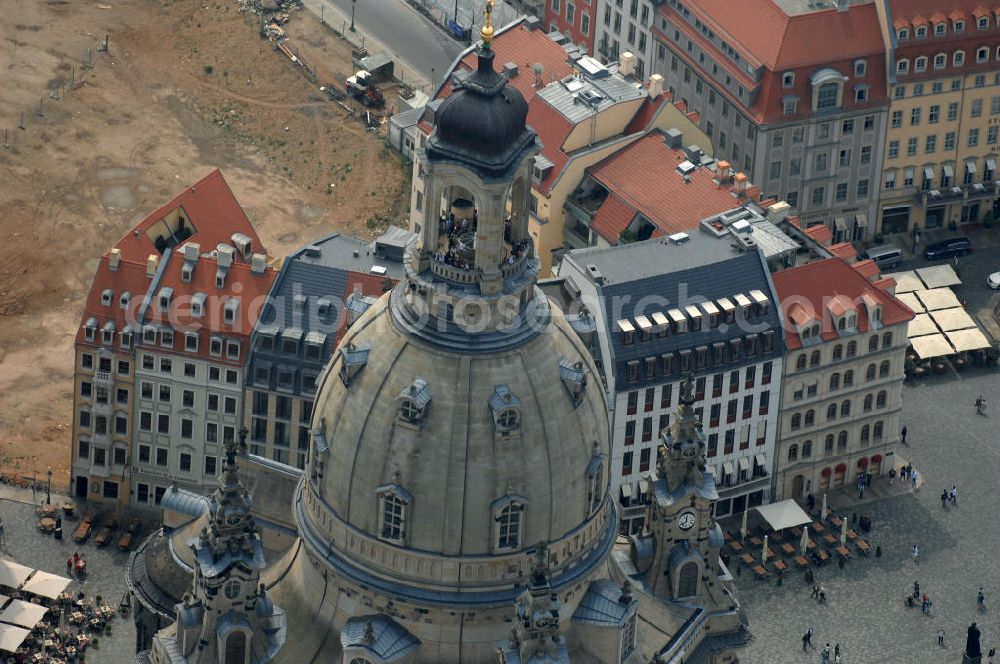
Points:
x=361 y=86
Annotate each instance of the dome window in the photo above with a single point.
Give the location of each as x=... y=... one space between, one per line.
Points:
x=506 y=412
x=354 y=360
x=508 y=513
x=412 y=403
x=574 y=379
x=394 y=502
x=595 y=482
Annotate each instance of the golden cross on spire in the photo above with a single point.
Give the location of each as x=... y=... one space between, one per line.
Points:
x=487 y=32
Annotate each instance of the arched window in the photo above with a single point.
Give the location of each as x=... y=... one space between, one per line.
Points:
x=903 y=34
x=883 y=369
x=849 y=378
x=852 y=348
x=810 y=417
x=394 y=501
x=360 y=660
x=793 y=452
x=796 y=421
x=831 y=412
x=827 y=95
x=236 y=648
x=880 y=399
x=870 y=372
x=232 y=589
x=873 y=343
x=834 y=381
x=842 y=323
x=842 y=440
x=800 y=362
x=982 y=54
x=845 y=408
x=814 y=359
x=902 y=66
x=506 y=412
x=868 y=402
x=508 y=519
x=877 y=430
x=838 y=352
x=595 y=483
x=628 y=635
x=887 y=340
x=921 y=32
x=807 y=449
x=865 y=435
x=828 y=444
x=958 y=58
x=920 y=64
x=940 y=60
x=687 y=580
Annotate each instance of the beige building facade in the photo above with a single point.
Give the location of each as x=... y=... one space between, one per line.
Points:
x=841 y=392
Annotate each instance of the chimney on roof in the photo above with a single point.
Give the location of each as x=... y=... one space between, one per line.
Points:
x=725 y=172
x=538 y=69
x=243 y=244
x=192 y=250
x=673 y=138
x=357 y=290
x=655 y=86
x=626 y=63
x=114 y=259
x=740 y=184
x=258 y=263
x=224 y=254
x=152 y=262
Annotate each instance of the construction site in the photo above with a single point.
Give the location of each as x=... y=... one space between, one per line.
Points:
x=110 y=109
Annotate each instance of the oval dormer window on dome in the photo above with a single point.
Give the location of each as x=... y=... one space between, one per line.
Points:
x=506 y=408
x=413 y=403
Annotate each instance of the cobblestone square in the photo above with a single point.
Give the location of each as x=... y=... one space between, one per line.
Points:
x=866 y=612
x=105 y=567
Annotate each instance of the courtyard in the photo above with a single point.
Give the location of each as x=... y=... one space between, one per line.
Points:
x=949 y=444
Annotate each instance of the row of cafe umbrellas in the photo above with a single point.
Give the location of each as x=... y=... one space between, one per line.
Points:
x=804 y=542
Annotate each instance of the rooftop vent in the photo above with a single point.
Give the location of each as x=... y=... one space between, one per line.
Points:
x=595 y=274
x=313 y=251
x=673 y=138
x=743 y=226
x=187 y=271
x=258 y=263
x=686 y=168
x=591 y=97
x=192 y=250
x=224 y=255
x=114 y=259
x=532 y=22
x=694 y=153
x=152 y=262
x=678 y=238
x=510 y=69
x=592 y=67
x=243 y=244
x=572 y=83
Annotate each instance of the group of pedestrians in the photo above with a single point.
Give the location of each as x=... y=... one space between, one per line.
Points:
x=951 y=495
x=825 y=653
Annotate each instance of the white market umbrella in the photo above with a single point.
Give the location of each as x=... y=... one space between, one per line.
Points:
x=843 y=532
x=804 y=542
x=822 y=514
x=743 y=528
x=763 y=554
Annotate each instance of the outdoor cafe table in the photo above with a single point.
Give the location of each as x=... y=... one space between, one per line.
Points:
x=735 y=546
x=756 y=541
x=780 y=566
x=801 y=561
x=843 y=552
x=830 y=539
x=852 y=535
x=837 y=522
x=747 y=559
x=788 y=548
x=863 y=546
x=776 y=536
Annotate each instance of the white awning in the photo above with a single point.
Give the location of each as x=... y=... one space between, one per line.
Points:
x=12 y=575
x=727 y=468
x=906 y=281
x=910 y=300
x=890 y=176
x=46 y=585
x=661 y=321
x=949 y=172
x=710 y=308
x=929 y=172
x=939 y=276
x=627 y=490
x=643 y=323
x=991 y=164
x=938 y=298
x=861 y=218
x=970 y=167
x=742 y=300
x=725 y=304
x=908 y=174
x=921 y=325
x=11 y=637
x=964 y=340
x=840 y=223
x=744 y=463
x=760 y=461
x=693 y=312
x=22 y=613
x=676 y=315
x=625 y=325
x=784 y=514
x=952 y=319
x=643 y=486
x=930 y=346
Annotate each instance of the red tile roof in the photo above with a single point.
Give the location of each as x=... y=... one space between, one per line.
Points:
x=820 y=233
x=807 y=291
x=647 y=112
x=131 y=278
x=613 y=218
x=867 y=268
x=914 y=10
x=211 y=209
x=553 y=128
x=844 y=250
x=643 y=176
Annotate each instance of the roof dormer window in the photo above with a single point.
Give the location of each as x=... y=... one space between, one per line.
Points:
x=959 y=26
x=506 y=409
x=108 y=333
x=574 y=379
x=827 y=87
x=860 y=68
x=903 y=34
x=124 y=299
x=149 y=334
x=787 y=79
x=166 y=295
x=191 y=342
x=198 y=305
x=230 y=311
x=413 y=403
x=983 y=23
x=940 y=29
x=921 y=32
x=107 y=295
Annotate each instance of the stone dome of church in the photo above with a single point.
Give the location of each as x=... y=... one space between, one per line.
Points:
x=459 y=436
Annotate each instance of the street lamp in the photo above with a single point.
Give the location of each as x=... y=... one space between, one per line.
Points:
x=353 y=4
x=48 y=488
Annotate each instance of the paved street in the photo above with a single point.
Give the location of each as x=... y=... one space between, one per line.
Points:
x=866 y=614
x=105 y=568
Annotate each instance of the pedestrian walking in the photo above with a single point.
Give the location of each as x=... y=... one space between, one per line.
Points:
x=824 y=655
x=954 y=494
x=916 y=551
x=69 y=565
x=903 y=433
x=913 y=477
x=944 y=497
x=822 y=595
x=815 y=592
x=940 y=635
x=981 y=599
x=991 y=655
x=805 y=642
x=916 y=589
x=836 y=652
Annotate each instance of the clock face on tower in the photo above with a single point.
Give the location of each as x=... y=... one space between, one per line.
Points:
x=686 y=521
x=233 y=520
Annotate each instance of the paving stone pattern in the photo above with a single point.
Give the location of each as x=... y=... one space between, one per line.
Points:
x=960 y=548
x=105 y=568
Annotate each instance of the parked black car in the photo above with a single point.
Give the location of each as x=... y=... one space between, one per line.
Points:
x=953 y=246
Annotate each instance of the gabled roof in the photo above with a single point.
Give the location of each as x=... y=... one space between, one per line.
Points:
x=643 y=177
x=553 y=129
x=820 y=233
x=210 y=208
x=808 y=291
x=843 y=250
x=130 y=277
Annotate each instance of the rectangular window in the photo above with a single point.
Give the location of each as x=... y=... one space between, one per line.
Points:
x=866 y=154
x=974 y=137
x=862 y=189
x=647 y=429
x=747 y=406
x=145 y=420
x=845 y=158
x=915 y=116
x=210 y=465
x=142 y=493
x=630 y=432
x=930 y=144
x=163 y=424
x=953 y=111
x=911 y=146
x=627 y=463
x=977 y=108
x=187 y=428
x=949 y=140
x=666 y=396
x=933 y=113
x=730 y=442
x=897 y=119
x=818 y=195
x=764 y=401
x=185 y=462
x=841 y=192
x=161 y=456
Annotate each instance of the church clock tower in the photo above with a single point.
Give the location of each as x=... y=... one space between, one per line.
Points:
x=680 y=520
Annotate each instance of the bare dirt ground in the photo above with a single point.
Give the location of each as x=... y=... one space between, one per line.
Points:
x=186 y=86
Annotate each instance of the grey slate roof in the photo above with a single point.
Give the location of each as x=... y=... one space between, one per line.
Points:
x=605 y=91
x=656 y=275
x=390 y=641
x=184 y=502
x=601 y=605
